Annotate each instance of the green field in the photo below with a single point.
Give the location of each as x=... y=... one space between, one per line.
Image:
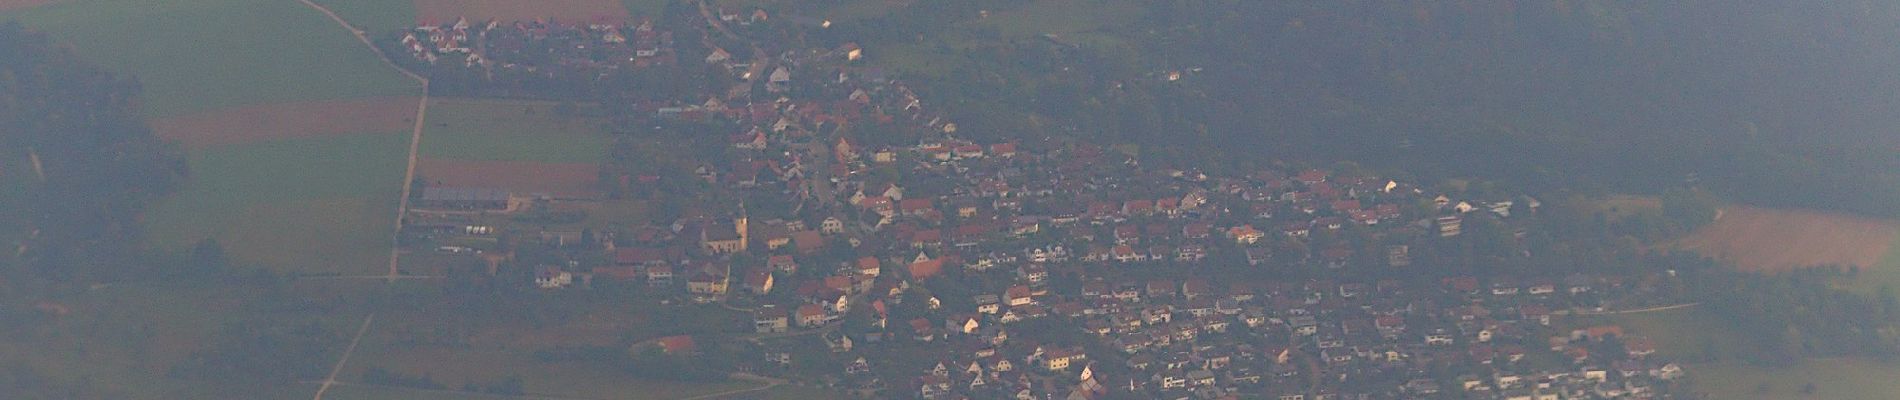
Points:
x=121 y=341
x=503 y=130
x=1688 y=334
x=1693 y=334
x=352 y=391
x=1060 y=17
x=201 y=55
x=788 y=392
x=1834 y=379
x=1887 y=273
x=313 y=205
x=495 y=348
x=375 y=17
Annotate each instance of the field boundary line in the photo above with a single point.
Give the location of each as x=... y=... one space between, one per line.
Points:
x=338 y=368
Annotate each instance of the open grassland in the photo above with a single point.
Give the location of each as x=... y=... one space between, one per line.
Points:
x=311 y=205
x=197 y=55
x=788 y=392
x=1833 y=379
x=19 y=4
x=455 y=348
x=1688 y=334
x=1623 y=205
x=357 y=391
x=1721 y=370
x=16 y=181
x=122 y=340
x=523 y=177
x=441 y=11
x=1886 y=273
x=1061 y=17
x=505 y=130
x=1763 y=239
x=374 y=16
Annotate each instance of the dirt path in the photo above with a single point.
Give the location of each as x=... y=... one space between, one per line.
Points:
x=1640 y=310
x=415 y=136
x=408 y=180
x=770 y=382
x=331 y=380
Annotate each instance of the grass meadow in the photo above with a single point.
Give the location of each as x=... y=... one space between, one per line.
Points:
x=123 y=339
x=491 y=349
x=507 y=130
x=201 y=55
x=375 y=17
x=311 y=205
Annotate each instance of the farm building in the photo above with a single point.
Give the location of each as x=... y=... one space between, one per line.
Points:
x=465 y=198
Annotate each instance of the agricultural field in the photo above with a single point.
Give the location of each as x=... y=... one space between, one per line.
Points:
x=1623 y=205
x=1059 y=17
x=312 y=205
x=247 y=52
x=440 y=11
x=507 y=130
x=788 y=392
x=1833 y=379
x=289 y=120
x=1688 y=334
x=20 y=4
x=1886 y=273
x=122 y=340
x=295 y=133
x=1697 y=335
x=1763 y=239
x=400 y=342
x=521 y=146
x=373 y=16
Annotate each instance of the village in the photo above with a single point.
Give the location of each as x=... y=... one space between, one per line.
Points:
x=944 y=267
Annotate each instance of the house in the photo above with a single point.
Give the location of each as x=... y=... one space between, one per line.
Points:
x=782 y=263
x=811 y=315
x=758 y=282
x=1245 y=234
x=868 y=266
x=1257 y=256
x=552 y=277
x=660 y=275
x=1059 y=359
x=925 y=268
x=769 y=319
x=707 y=283
x=808 y=242
x=831 y=226
x=724 y=236
x=1018 y=296
x=1450 y=225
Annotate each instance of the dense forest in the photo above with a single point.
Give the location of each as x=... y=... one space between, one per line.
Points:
x=1780 y=103
x=81 y=157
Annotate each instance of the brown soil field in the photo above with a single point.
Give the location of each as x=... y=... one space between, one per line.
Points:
x=521 y=177
x=289 y=120
x=1770 y=239
x=444 y=11
x=17 y=4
